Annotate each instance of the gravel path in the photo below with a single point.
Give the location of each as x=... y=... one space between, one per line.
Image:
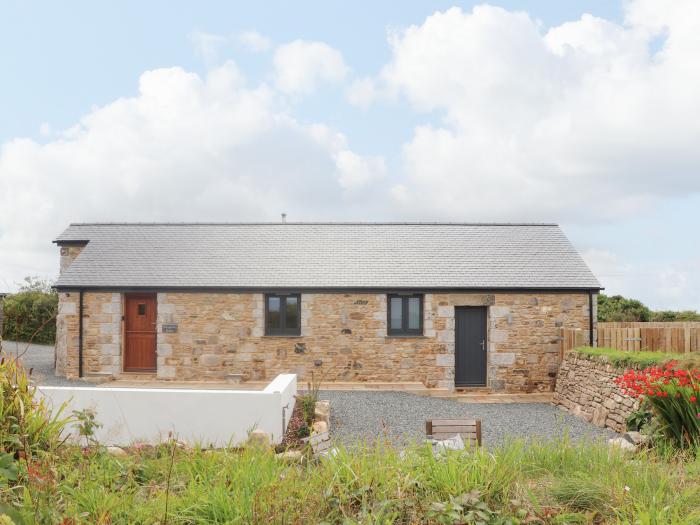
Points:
x=365 y=415
x=40 y=359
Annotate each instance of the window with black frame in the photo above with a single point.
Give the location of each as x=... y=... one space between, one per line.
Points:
x=282 y=314
x=405 y=314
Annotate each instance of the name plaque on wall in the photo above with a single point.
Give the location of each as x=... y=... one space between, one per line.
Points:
x=169 y=328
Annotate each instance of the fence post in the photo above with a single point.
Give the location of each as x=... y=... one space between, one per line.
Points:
x=561 y=344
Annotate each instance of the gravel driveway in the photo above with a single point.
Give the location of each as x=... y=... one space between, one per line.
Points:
x=40 y=359
x=365 y=415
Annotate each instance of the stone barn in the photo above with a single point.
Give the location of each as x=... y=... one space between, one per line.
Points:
x=444 y=306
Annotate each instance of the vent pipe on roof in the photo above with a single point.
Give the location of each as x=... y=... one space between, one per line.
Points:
x=284 y=218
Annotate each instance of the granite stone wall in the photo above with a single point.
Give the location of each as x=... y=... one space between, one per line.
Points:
x=220 y=336
x=68 y=255
x=586 y=388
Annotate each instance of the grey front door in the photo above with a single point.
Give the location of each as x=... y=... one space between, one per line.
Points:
x=470 y=346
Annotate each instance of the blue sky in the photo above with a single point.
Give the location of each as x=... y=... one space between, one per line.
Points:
x=630 y=206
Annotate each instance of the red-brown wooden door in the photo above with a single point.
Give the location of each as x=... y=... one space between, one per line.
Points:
x=140 y=332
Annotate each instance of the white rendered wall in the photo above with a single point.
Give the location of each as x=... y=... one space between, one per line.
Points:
x=209 y=417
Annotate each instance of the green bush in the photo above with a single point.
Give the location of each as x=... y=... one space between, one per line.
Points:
x=617 y=308
x=665 y=316
x=31 y=313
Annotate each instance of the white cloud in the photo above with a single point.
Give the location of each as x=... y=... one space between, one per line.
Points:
x=207 y=45
x=184 y=148
x=583 y=121
x=661 y=285
x=358 y=172
x=255 y=41
x=362 y=92
x=300 y=66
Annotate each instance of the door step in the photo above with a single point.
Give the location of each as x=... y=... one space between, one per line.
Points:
x=137 y=376
x=98 y=377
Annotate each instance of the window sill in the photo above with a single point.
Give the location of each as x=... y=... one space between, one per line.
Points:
x=288 y=336
x=406 y=336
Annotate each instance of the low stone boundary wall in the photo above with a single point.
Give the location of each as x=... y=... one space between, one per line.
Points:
x=216 y=418
x=586 y=388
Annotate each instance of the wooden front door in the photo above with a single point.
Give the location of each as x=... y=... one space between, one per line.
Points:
x=470 y=346
x=140 y=332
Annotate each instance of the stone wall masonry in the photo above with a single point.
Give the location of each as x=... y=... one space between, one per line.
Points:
x=67 y=328
x=220 y=336
x=102 y=325
x=68 y=255
x=102 y=334
x=586 y=388
x=343 y=338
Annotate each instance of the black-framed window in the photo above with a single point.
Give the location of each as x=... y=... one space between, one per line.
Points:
x=282 y=314
x=405 y=314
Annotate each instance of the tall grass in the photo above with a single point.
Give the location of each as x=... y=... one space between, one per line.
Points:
x=553 y=482
x=639 y=359
x=27 y=423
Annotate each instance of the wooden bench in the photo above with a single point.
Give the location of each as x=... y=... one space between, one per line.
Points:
x=468 y=429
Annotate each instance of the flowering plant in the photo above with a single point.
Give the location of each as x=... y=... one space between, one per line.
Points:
x=673 y=394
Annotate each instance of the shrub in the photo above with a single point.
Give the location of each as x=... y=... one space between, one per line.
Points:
x=673 y=394
x=618 y=308
x=309 y=399
x=638 y=419
x=29 y=313
x=303 y=431
x=665 y=316
x=26 y=422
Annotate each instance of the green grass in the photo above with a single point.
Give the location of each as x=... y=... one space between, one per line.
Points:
x=552 y=482
x=639 y=359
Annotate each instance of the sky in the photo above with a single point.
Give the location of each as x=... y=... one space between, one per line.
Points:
x=584 y=113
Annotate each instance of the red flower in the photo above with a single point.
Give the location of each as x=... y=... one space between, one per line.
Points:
x=693 y=399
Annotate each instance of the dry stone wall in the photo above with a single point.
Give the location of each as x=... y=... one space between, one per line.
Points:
x=586 y=388
x=220 y=336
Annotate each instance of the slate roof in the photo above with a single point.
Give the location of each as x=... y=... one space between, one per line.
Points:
x=324 y=255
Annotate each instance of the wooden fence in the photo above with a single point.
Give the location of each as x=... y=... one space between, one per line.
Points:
x=652 y=337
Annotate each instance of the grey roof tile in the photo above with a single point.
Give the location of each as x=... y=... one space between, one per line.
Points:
x=325 y=255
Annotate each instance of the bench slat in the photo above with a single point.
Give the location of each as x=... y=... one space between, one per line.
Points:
x=456 y=429
x=471 y=422
x=466 y=439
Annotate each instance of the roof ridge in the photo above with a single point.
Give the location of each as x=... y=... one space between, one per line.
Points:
x=316 y=223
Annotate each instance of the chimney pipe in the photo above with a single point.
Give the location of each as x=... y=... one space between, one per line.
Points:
x=284 y=218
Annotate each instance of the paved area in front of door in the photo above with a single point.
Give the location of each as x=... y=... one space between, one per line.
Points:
x=400 y=416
